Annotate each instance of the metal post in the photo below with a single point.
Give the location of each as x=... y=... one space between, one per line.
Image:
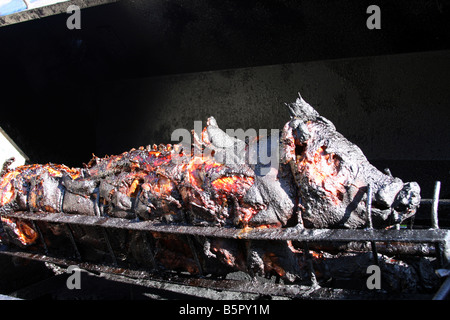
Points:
x=108 y=244
x=369 y=205
x=374 y=252
x=150 y=244
x=248 y=250
x=369 y=219
x=194 y=254
x=72 y=241
x=192 y=247
x=411 y=222
x=435 y=204
x=41 y=236
x=397 y=225
x=309 y=262
x=97 y=210
x=434 y=218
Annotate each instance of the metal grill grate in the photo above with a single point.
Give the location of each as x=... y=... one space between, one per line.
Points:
x=439 y=238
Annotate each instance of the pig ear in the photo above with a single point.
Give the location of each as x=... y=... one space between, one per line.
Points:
x=301 y=109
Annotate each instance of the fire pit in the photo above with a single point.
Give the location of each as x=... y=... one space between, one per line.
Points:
x=304 y=209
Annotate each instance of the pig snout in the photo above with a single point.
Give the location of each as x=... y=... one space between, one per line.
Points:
x=397 y=200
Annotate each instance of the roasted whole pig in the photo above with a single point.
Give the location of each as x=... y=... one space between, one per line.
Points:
x=319 y=180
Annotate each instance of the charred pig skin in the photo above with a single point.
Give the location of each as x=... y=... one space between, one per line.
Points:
x=333 y=175
x=319 y=180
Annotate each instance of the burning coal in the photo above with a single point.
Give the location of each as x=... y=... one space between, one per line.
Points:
x=319 y=180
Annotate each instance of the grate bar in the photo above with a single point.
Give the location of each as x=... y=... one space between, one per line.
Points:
x=149 y=243
x=41 y=236
x=194 y=253
x=282 y=234
x=108 y=245
x=252 y=286
x=72 y=241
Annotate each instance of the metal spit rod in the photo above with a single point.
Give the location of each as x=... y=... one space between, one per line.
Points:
x=329 y=235
x=435 y=204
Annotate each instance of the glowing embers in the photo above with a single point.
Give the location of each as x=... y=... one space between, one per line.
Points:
x=233 y=184
x=134 y=188
x=24 y=232
x=234 y=188
x=214 y=194
x=43 y=193
x=157 y=185
x=199 y=167
x=322 y=169
x=322 y=166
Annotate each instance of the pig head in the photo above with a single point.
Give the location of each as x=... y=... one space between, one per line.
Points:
x=332 y=175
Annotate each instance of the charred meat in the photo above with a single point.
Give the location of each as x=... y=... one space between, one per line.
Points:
x=319 y=180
